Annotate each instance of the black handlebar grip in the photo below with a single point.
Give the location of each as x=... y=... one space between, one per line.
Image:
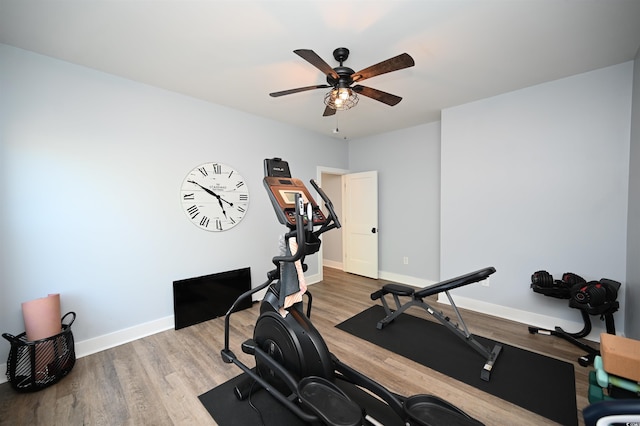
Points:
x=376 y=295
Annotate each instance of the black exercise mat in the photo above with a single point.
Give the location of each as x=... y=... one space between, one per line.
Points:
x=535 y=382
x=227 y=410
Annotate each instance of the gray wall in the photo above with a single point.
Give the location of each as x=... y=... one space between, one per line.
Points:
x=533 y=179
x=538 y=179
x=91 y=166
x=91 y=172
x=408 y=165
x=633 y=225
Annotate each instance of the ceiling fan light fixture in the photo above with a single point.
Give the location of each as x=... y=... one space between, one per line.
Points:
x=342 y=99
x=342 y=96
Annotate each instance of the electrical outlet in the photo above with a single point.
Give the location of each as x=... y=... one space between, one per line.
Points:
x=405 y=260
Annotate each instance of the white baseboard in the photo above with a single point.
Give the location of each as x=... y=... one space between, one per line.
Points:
x=524 y=317
x=117 y=338
x=405 y=279
x=332 y=264
x=120 y=337
x=390 y=276
x=312 y=279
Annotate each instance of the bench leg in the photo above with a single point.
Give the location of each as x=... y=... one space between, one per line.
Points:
x=488 y=366
x=393 y=314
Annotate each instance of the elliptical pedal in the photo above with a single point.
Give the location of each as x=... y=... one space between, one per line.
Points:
x=429 y=410
x=328 y=402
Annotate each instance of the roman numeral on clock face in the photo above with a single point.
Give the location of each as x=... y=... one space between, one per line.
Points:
x=193 y=211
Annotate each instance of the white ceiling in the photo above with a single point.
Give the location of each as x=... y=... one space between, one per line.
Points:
x=234 y=53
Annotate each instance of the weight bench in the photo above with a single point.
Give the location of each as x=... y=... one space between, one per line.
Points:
x=416 y=299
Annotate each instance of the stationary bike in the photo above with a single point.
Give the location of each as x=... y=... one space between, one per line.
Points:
x=293 y=362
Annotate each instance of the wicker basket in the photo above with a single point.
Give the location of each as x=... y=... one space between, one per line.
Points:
x=33 y=366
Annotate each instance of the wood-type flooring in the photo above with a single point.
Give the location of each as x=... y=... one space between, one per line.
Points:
x=156 y=380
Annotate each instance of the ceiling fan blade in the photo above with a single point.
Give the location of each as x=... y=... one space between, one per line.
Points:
x=328 y=111
x=378 y=95
x=299 y=89
x=394 y=64
x=315 y=60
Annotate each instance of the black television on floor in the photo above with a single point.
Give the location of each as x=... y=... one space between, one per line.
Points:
x=200 y=299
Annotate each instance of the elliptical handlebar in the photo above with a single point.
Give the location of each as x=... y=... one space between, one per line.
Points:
x=227 y=355
x=333 y=217
x=298 y=232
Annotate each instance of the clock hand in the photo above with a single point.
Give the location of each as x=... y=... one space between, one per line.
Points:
x=208 y=191
x=211 y=192
x=222 y=206
x=228 y=202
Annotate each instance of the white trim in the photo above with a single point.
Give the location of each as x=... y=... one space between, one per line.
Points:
x=524 y=317
x=126 y=335
x=330 y=171
x=312 y=279
x=117 y=338
x=405 y=279
x=319 y=171
x=332 y=264
x=120 y=337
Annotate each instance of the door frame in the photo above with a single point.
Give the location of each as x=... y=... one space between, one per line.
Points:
x=320 y=170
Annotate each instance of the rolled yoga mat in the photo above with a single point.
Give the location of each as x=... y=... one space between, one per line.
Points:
x=42 y=317
x=41 y=320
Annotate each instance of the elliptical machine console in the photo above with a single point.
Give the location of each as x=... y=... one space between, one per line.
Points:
x=293 y=362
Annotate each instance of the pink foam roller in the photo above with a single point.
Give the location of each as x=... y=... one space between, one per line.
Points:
x=42 y=317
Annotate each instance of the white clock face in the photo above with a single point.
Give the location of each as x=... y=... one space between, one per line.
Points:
x=214 y=197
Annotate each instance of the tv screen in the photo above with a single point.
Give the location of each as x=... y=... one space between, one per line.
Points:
x=200 y=299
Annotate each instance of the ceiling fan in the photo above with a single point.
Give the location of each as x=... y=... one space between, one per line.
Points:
x=343 y=96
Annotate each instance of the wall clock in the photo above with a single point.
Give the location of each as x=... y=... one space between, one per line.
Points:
x=214 y=196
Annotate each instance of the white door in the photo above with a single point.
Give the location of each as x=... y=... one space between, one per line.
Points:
x=360 y=224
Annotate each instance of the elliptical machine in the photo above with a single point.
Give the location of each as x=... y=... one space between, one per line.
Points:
x=293 y=362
